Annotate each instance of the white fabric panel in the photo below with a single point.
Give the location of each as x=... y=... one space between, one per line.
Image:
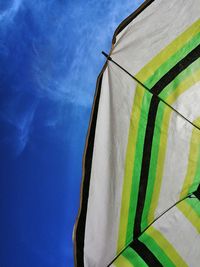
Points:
x=107 y=173
x=156 y=27
x=176 y=162
x=181 y=234
x=184 y=103
x=179 y=138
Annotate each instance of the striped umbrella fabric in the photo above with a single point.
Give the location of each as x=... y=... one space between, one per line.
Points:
x=141 y=168
x=170 y=241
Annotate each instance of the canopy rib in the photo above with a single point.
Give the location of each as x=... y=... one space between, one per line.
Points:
x=146 y=88
x=194 y=194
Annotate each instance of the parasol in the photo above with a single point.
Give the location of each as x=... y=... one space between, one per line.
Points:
x=141 y=169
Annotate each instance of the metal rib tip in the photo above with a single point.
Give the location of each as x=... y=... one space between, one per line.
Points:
x=106 y=55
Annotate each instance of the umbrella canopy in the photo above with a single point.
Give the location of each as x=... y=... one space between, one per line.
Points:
x=171 y=240
x=141 y=169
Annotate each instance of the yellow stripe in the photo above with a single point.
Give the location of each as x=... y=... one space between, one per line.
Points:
x=143 y=75
x=130 y=155
x=168 y=51
x=184 y=85
x=121 y=261
x=166 y=246
x=190 y=214
x=188 y=82
x=193 y=159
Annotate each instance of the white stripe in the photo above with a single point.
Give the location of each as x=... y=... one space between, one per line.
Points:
x=107 y=174
x=181 y=234
x=176 y=161
x=185 y=103
x=156 y=27
x=178 y=147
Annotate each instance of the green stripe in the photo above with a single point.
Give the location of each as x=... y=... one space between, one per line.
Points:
x=170 y=88
x=156 y=139
x=196 y=180
x=194 y=204
x=166 y=246
x=156 y=250
x=190 y=214
x=153 y=166
x=128 y=171
x=173 y=60
x=192 y=176
x=159 y=72
x=187 y=83
x=134 y=258
x=137 y=164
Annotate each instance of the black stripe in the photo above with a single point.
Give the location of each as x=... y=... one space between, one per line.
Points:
x=145 y=254
x=145 y=163
x=157 y=88
x=178 y=68
x=80 y=229
x=197 y=193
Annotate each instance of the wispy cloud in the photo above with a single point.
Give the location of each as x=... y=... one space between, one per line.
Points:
x=53 y=50
x=92 y=38
x=67 y=61
x=24 y=128
x=10 y=11
x=50 y=55
x=21 y=122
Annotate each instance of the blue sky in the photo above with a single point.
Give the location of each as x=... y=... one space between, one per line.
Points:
x=50 y=56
